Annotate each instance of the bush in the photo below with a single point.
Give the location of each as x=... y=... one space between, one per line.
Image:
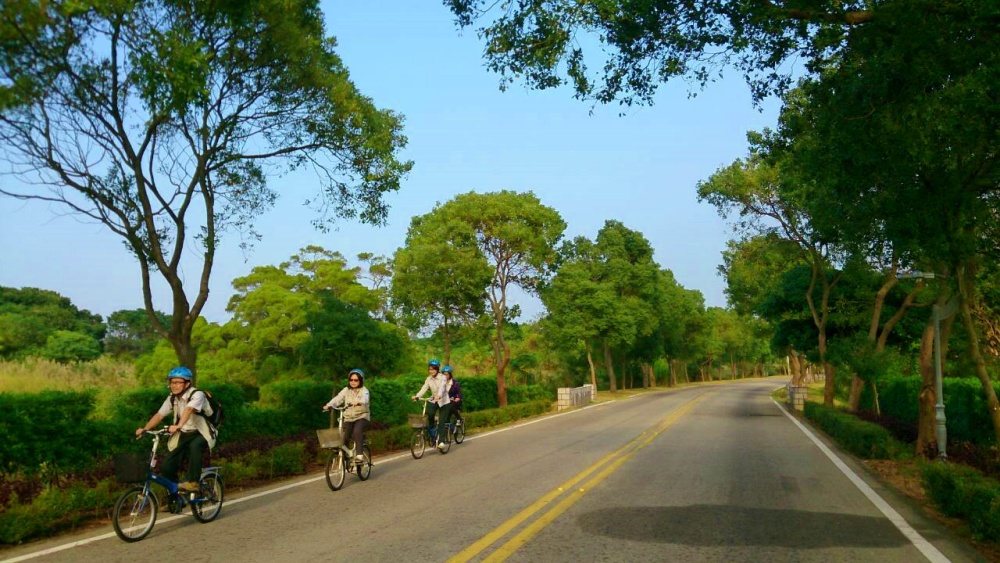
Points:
x=863 y=439
x=51 y=429
x=963 y=492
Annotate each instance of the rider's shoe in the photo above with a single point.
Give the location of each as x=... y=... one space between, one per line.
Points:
x=359 y=458
x=187 y=487
x=440 y=445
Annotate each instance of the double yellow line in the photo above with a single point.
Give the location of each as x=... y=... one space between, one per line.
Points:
x=619 y=456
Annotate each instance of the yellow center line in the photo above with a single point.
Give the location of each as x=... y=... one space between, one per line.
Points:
x=530 y=531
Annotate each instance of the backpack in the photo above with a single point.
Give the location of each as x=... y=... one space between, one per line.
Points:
x=214 y=420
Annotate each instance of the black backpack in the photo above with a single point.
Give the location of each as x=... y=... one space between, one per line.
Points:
x=215 y=419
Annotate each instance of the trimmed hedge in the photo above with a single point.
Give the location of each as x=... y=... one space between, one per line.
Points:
x=965 y=407
x=863 y=439
x=962 y=492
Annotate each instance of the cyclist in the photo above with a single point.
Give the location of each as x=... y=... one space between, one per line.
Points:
x=189 y=434
x=454 y=395
x=439 y=399
x=356 y=415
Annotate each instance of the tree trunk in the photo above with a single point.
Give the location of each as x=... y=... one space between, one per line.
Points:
x=926 y=438
x=854 y=397
x=966 y=279
x=672 y=376
x=503 y=358
x=795 y=366
x=446 y=334
x=610 y=367
x=590 y=362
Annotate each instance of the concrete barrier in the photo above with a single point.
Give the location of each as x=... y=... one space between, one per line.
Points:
x=569 y=397
x=797 y=396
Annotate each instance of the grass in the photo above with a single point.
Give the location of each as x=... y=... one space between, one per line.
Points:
x=33 y=375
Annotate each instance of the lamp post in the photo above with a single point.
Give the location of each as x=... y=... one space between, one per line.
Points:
x=939 y=314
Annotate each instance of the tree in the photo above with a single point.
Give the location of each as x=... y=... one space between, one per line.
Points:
x=131 y=334
x=437 y=283
x=641 y=44
x=768 y=199
x=343 y=337
x=906 y=131
x=578 y=305
x=29 y=316
x=272 y=304
x=165 y=122
x=517 y=236
x=628 y=270
x=64 y=346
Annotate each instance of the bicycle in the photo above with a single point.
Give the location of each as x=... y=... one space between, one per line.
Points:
x=136 y=509
x=341 y=460
x=457 y=429
x=422 y=434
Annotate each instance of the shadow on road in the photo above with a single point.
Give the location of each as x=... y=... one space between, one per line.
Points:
x=712 y=525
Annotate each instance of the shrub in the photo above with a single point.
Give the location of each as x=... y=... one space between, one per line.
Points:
x=863 y=439
x=963 y=492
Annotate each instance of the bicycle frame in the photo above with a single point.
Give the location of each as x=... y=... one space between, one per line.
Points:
x=345 y=458
x=136 y=509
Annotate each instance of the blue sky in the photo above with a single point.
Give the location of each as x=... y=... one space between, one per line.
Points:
x=464 y=135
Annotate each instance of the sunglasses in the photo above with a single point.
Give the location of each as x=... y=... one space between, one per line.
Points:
x=354 y=379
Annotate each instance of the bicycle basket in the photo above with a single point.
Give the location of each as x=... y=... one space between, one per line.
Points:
x=329 y=438
x=131 y=467
x=417 y=420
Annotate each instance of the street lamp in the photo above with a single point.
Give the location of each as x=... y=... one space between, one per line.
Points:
x=939 y=313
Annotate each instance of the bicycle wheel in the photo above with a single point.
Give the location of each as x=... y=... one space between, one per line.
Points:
x=459 y=432
x=365 y=468
x=207 y=508
x=336 y=470
x=417 y=444
x=135 y=514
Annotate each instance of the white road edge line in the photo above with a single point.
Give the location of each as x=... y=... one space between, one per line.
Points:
x=396 y=457
x=925 y=547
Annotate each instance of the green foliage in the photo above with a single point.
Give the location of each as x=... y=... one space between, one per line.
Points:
x=48 y=430
x=863 y=439
x=478 y=393
x=238 y=91
x=342 y=336
x=29 y=317
x=966 y=410
x=963 y=492
x=389 y=400
x=497 y=416
x=65 y=346
x=286 y=459
x=130 y=332
x=56 y=510
x=528 y=393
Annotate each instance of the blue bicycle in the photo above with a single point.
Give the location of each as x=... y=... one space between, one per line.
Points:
x=137 y=508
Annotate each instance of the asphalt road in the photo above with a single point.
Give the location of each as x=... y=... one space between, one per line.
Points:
x=709 y=473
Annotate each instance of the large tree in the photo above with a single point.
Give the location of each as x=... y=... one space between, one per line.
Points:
x=166 y=122
x=905 y=131
x=765 y=199
x=517 y=236
x=437 y=284
x=638 y=45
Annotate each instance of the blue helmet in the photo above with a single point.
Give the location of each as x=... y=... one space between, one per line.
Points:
x=180 y=372
x=446 y=369
x=434 y=364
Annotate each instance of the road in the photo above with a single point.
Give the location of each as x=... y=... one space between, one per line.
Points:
x=715 y=472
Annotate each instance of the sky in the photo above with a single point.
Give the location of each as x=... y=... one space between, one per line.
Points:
x=589 y=163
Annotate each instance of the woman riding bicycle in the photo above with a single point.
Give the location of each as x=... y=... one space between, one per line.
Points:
x=439 y=400
x=356 y=399
x=454 y=394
